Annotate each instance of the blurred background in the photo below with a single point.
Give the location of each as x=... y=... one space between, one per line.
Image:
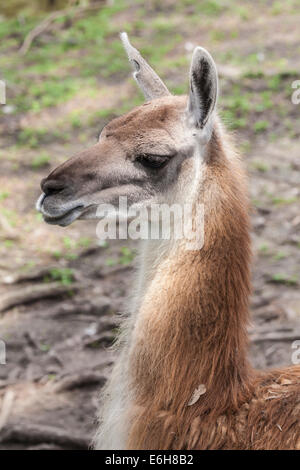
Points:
x=66 y=76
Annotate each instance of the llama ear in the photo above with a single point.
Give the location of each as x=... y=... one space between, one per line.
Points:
x=203 y=88
x=148 y=81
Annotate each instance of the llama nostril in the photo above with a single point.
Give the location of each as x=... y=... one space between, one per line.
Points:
x=50 y=187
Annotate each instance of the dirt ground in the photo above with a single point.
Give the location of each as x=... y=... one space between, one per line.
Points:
x=62 y=289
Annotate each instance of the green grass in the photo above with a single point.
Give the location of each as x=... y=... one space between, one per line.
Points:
x=261 y=166
x=84 y=242
x=281 y=278
x=36 y=137
x=127 y=256
x=281 y=201
x=261 y=126
x=69 y=243
x=264 y=249
x=71 y=248
x=8 y=243
x=48 y=92
x=10 y=215
x=63 y=275
x=44 y=347
x=56 y=254
x=211 y=8
x=76 y=119
x=45 y=79
x=3 y=195
x=280 y=255
x=40 y=161
x=53 y=72
x=17 y=27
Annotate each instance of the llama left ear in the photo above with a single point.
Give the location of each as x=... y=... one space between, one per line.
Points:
x=203 y=88
x=148 y=80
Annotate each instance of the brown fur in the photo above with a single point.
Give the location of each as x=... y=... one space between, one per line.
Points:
x=188 y=326
x=191 y=330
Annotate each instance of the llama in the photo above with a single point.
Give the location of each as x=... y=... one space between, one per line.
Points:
x=182 y=379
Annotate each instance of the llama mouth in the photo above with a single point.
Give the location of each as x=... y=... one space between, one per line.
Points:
x=65 y=219
x=62 y=219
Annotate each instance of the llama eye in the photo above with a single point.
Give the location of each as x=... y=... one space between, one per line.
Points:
x=152 y=161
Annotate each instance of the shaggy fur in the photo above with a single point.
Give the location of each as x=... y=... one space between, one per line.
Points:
x=191 y=330
x=187 y=324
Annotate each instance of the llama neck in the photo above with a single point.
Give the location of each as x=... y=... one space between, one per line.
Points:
x=191 y=326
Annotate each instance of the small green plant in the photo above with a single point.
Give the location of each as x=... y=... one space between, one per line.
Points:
x=10 y=216
x=57 y=254
x=69 y=243
x=40 y=161
x=245 y=146
x=284 y=279
x=264 y=248
x=29 y=138
x=260 y=166
x=280 y=255
x=274 y=82
x=261 y=126
x=111 y=262
x=71 y=256
x=127 y=255
x=75 y=119
x=63 y=275
x=28 y=266
x=8 y=243
x=84 y=242
x=281 y=201
x=3 y=195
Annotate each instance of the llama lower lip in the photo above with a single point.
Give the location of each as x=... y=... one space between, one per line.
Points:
x=65 y=219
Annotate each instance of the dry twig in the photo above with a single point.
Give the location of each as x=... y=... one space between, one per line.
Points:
x=44 y=25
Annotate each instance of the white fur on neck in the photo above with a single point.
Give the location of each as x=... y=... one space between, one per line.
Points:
x=117 y=396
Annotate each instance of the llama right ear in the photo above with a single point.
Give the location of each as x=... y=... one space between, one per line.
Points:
x=203 y=88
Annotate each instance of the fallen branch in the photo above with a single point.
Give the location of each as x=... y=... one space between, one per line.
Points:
x=107 y=271
x=40 y=434
x=74 y=381
x=274 y=336
x=7 y=404
x=32 y=293
x=84 y=340
x=103 y=339
x=32 y=275
x=94 y=308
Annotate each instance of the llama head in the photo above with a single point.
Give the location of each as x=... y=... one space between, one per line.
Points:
x=151 y=154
